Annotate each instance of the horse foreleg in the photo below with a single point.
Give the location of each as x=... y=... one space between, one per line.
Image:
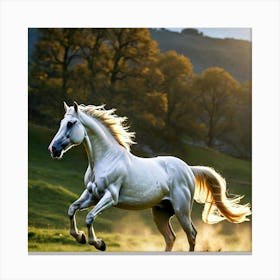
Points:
x=98 y=243
x=107 y=200
x=84 y=201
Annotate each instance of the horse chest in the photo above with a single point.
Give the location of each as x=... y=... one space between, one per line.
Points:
x=89 y=176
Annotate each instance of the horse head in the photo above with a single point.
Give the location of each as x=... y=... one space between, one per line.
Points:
x=71 y=132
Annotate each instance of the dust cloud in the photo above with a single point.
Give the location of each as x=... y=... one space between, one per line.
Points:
x=140 y=235
x=223 y=237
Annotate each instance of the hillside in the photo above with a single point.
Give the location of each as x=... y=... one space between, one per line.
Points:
x=231 y=54
x=54 y=184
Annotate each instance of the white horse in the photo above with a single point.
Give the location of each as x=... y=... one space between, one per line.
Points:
x=115 y=177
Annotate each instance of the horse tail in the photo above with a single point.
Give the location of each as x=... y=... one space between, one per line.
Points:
x=211 y=190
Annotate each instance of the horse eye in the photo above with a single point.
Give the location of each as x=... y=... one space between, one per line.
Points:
x=69 y=124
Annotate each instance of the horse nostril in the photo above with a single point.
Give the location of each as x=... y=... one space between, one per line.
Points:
x=64 y=145
x=55 y=151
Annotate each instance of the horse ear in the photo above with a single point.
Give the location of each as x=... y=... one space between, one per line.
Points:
x=66 y=107
x=76 y=106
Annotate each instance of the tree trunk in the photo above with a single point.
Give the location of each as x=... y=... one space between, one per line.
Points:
x=210 y=134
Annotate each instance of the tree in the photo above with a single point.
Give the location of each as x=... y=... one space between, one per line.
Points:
x=177 y=74
x=191 y=31
x=243 y=128
x=55 y=52
x=89 y=64
x=215 y=89
x=95 y=52
x=55 y=55
x=131 y=49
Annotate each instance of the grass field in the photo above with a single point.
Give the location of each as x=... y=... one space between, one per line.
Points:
x=54 y=184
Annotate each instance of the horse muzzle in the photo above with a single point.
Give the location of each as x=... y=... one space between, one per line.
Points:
x=57 y=149
x=56 y=153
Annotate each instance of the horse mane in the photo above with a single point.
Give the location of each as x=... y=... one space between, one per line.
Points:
x=114 y=123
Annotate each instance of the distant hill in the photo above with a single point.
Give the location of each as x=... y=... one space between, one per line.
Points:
x=231 y=54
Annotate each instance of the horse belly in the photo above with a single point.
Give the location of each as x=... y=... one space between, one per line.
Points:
x=135 y=202
x=144 y=189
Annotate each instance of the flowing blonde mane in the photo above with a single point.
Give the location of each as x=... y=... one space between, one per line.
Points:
x=114 y=123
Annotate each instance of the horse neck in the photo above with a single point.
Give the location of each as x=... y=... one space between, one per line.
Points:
x=99 y=142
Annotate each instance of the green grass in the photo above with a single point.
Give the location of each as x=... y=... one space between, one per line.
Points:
x=209 y=238
x=57 y=240
x=54 y=184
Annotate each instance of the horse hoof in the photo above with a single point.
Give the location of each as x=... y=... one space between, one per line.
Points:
x=100 y=245
x=82 y=238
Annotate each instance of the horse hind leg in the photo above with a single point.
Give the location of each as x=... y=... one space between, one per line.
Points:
x=162 y=217
x=189 y=229
x=182 y=204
